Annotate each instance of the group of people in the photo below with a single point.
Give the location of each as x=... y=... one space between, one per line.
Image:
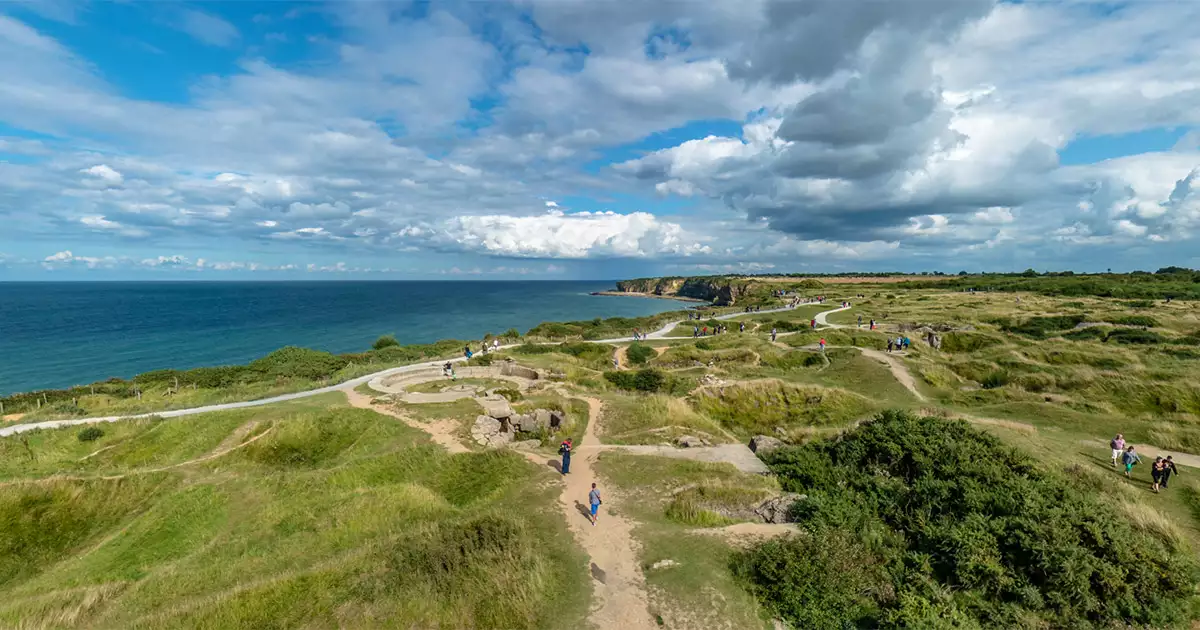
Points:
x=899 y=343
x=594 y=501
x=749 y=309
x=1160 y=471
x=702 y=331
x=484 y=348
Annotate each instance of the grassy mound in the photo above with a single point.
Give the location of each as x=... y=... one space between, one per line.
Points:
x=925 y=522
x=758 y=408
x=330 y=517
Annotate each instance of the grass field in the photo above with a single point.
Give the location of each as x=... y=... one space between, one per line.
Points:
x=313 y=515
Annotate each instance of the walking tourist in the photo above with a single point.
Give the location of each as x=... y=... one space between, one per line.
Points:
x=564 y=449
x=1130 y=459
x=1117 y=445
x=594 y=501
x=1156 y=472
x=1168 y=470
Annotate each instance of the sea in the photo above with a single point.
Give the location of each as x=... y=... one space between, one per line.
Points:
x=55 y=335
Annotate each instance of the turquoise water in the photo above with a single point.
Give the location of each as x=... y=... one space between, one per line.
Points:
x=55 y=335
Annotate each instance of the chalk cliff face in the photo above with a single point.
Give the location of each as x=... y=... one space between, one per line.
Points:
x=719 y=291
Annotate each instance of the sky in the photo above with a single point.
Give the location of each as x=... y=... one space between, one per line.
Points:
x=595 y=139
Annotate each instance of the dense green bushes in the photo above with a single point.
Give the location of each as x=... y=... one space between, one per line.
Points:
x=646 y=380
x=386 y=341
x=1135 y=336
x=90 y=434
x=926 y=522
x=1134 y=320
x=1182 y=285
x=639 y=353
x=1042 y=327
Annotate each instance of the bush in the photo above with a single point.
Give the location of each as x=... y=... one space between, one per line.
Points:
x=293 y=362
x=90 y=434
x=1041 y=327
x=927 y=522
x=1089 y=333
x=995 y=379
x=511 y=394
x=645 y=380
x=1135 y=320
x=639 y=353
x=386 y=341
x=968 y=342
x=1135 y=336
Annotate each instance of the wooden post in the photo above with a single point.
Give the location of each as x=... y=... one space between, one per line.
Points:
x=1 y=408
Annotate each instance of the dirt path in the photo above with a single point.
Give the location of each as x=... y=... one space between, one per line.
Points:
x=441 y=431
x=621 y=599
x=622 y=358
x=746 y=534
x=898 y=370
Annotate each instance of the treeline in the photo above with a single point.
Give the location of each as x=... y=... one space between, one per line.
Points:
x=929 y=523
x=286 y=363
x=1168 y=282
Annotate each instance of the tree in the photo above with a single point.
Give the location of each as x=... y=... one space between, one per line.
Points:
x=963 y=273
x=386 y=341
x=1029 y=273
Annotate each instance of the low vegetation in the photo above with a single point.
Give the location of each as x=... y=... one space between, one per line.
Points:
x=926 y=522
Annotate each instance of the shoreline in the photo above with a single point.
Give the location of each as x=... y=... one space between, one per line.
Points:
x=648 y=295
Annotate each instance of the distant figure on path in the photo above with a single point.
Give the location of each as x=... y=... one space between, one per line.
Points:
x=742 y=327
x=822 y=344
x=772 y=335
x=564 y=449
x=1118 y=448
x=594 y=501
x=448 y=369
x=467 y=351
x=1156 y=472
x=495 y=344
x=890 y=344
x=813 y=323
x=860 y=321
x=1130 y=459
x=616 y=363
x=1168 y=470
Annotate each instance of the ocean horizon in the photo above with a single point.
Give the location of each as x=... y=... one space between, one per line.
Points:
x=59 y=334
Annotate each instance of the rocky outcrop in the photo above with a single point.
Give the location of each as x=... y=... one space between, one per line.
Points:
x=501 y=426
x=762 y=444
x=778 y=509
x=718 y=290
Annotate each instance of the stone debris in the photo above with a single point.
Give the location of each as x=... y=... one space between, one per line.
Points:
x=764 y=444
x=708 y=380
x=776 y=509
x=690 y=441
x=489 y=431
x=664 y=564
x=496 y=407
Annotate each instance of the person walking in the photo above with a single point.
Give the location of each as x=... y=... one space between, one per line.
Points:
x=1130 y=459
x=564 y=449
x=890 y=344
x=822 y=342
x=595 y=502
x=1168 y=470
x=773 y=335
x=1156 y=472
x=860 y=321
x=1117 y=445
x=742 y=327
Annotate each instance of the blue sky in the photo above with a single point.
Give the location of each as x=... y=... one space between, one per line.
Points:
x=594 y=140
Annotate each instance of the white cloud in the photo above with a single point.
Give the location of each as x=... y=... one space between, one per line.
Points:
x=208 y=28
x=570 y=236
x=105 y=174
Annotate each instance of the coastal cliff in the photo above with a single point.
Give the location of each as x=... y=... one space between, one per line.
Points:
x=719 y=290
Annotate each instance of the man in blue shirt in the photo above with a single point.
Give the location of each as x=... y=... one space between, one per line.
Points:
x=594 y=500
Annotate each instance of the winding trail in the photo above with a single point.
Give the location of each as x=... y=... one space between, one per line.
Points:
x=898 y=370
x=442 y=432
x=621 y=599
x=347 y=385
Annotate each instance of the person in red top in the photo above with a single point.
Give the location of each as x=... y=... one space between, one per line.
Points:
x=822 y=344
x=564 y=449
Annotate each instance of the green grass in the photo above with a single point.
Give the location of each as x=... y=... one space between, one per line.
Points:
x=700 y=591
x=332 y=517
x=654 y=419
x=759 y=408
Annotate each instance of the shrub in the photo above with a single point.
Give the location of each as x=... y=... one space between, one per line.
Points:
x=645 y=380
x=1091 y=332
x=968 y=342
x=1041 y=327
x=995 y=379
x=299 y=363
x=90 y=434
x=639 y=353
x=1134 y=336
x=938 y=522
x=1134 y=320
x=511 y=394
x=386 y=341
